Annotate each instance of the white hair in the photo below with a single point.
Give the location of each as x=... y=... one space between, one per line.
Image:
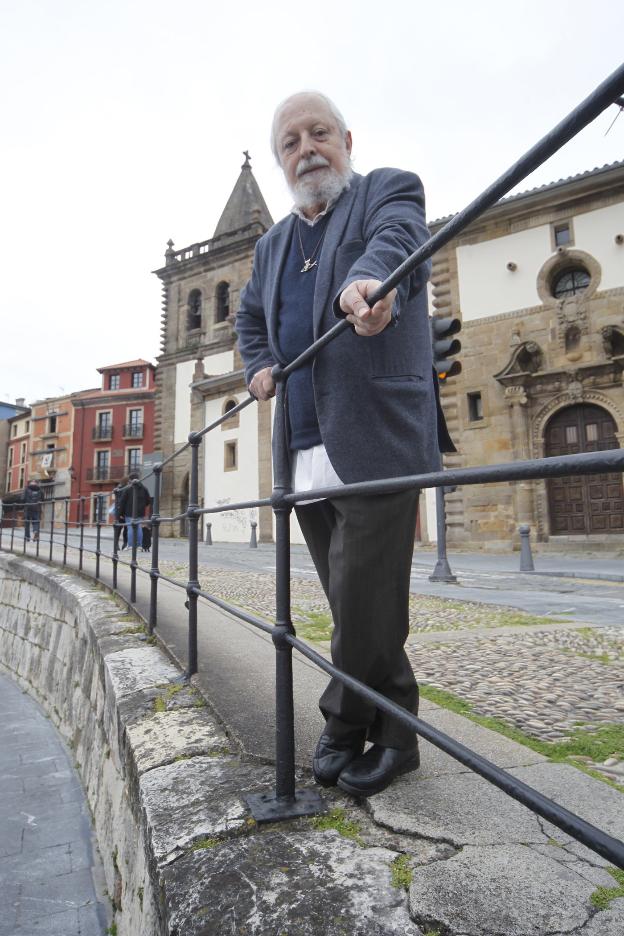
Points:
x=340 y=121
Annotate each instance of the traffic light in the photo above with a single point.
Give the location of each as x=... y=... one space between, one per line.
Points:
x=445 y=346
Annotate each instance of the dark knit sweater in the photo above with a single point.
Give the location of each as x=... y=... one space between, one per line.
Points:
x=295 y=333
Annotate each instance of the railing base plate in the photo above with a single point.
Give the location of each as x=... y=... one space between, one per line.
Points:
x=266 y=807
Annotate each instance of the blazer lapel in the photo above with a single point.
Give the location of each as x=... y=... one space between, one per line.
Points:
x=275 y=267
x=333 y=239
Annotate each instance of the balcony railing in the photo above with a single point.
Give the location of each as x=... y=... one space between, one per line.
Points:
x=107 y=473
x=133 y=431
x=102 y=433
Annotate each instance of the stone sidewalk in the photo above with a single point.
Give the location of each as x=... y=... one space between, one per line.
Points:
x=47 y=862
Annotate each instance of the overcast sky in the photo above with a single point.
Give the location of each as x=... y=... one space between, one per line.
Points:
x=123 y=124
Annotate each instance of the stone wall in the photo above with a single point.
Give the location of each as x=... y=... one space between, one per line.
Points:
x=117 y=700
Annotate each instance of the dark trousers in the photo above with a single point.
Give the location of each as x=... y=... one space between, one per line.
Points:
x=362 y=549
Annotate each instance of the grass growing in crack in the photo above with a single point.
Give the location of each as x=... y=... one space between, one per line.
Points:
x=337 y=820
x=401 y=872
x=204 y=843
x=314 y=625
x=160 y=702
x=138 y=629
x=597 y=745
x=602 y=896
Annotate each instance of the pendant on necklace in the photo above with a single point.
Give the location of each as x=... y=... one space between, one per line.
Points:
x=308 y=265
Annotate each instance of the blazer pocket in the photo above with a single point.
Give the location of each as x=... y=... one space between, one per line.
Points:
x=399 y=378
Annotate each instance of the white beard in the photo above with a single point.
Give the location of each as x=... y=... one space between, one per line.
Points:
x=319 y=188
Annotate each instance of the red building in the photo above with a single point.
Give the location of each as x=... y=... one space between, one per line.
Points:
x=113 y=431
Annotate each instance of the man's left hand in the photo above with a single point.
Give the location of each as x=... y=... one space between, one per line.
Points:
x=366 y=321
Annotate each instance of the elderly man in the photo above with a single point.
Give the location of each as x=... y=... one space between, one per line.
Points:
x=365 y=409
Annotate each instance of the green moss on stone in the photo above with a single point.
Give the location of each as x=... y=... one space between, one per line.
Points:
x=602 y=896
x=401 y=872
x=337 y=820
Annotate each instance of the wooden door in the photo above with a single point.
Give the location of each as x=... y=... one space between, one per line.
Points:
x=587 y=503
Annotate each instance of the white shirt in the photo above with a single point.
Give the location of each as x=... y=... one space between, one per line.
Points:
x=313 y=469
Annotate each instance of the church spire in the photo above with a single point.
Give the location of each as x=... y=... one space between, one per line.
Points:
x=245 y=205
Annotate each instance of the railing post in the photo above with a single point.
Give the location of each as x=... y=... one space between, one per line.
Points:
x=253 y=542
x=99 y=503
x=442 y=571
x=208 y=539
x=286 y=801
x=154 y=570
x=13 y=522
x=116 y=537
x=51 y=531
x=526 y=557
x=65 y=534
x=134 y=526
x=1 y=522
x=193 y=580
x=81 y=524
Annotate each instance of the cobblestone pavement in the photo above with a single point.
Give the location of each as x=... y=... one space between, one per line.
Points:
x=544 y=680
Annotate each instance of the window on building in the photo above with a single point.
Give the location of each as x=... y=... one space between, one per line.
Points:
x=230 y=456
x=135 y=418
x=114 y=381
x=562 y=234
x=105 y=421
x=27 y=426
x=223 y=302
x=102 y=465
x=233 y=422
x=51 y=424
x=137 y=378
x=591 y=432
x=570 y=283
x=14 y=430
x=10 y=461
x=8 y=483
x=134 y=459
x=22 y=453
x=194 y=316
x=475 y=407
x=21 y=478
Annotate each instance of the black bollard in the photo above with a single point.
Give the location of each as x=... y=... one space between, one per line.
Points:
x=253 y=542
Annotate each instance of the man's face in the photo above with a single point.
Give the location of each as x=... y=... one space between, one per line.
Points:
x=311 y=148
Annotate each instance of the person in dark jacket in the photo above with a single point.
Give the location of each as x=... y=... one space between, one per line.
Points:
x=114 y=512
x=32 y=499
x=126 y=499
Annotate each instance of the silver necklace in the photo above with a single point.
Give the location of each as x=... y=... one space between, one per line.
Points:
x=310 y=261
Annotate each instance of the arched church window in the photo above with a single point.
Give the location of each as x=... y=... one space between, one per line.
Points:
x=223 y=301
x=233 y=421
x=194 y=317
x=570 y=282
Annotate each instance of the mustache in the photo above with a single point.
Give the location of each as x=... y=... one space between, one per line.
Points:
x=305 y=164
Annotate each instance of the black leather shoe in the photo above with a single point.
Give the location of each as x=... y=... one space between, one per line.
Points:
x=374 y=771
x=332 y=755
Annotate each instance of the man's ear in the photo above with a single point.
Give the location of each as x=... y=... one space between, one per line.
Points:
x=348 y=141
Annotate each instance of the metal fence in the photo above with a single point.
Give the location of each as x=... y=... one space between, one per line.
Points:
x=287 y=801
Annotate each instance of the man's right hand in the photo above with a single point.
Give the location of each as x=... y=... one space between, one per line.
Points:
x=262 y=385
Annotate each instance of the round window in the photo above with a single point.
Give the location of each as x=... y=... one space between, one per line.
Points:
x=570 y=282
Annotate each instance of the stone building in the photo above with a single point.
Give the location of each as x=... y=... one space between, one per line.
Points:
x=538 y=282
x=200 y=375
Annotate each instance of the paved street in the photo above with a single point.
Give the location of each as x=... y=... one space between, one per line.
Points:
x=590 y=589
x=47 y=860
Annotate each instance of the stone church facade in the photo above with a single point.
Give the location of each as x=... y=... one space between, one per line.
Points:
x=538 y=282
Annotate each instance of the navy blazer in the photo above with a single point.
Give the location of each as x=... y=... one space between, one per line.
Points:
x=375 y=397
